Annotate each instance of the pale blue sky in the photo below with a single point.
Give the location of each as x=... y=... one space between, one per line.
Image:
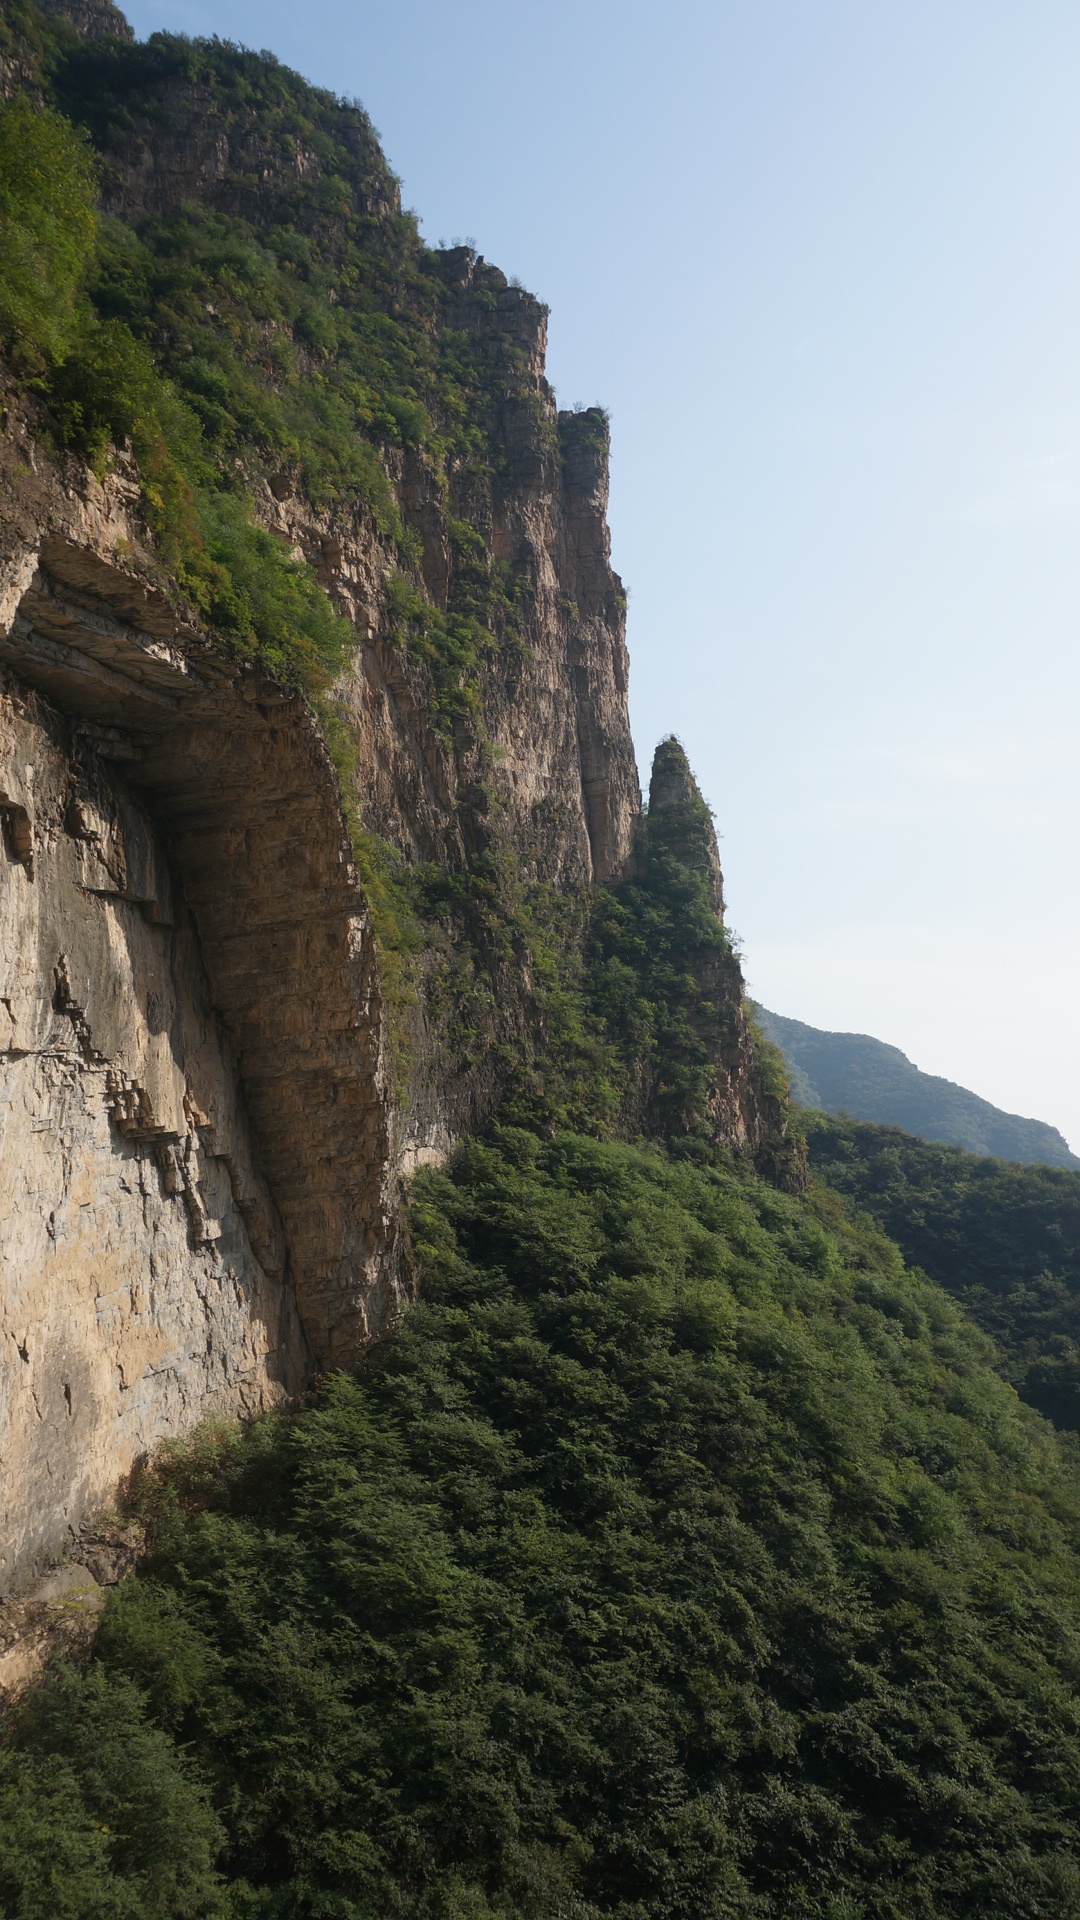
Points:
x=822 y=263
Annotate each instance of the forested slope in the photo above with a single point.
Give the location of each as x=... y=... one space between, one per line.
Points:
x=682 y=1555
x=1003 y=1239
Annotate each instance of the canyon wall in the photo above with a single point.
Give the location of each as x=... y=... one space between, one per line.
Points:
x=202 y=1130
x=142 y=1254
x=209 y=1100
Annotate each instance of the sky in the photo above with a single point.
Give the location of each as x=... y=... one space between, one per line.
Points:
x=821 y=261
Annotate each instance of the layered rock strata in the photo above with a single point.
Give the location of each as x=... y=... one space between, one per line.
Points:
x=198 y=1200
x=202 y=1130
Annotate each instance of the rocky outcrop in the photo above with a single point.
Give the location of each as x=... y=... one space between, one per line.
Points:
x=91 y=19
x=679 y=843
x=549 y=771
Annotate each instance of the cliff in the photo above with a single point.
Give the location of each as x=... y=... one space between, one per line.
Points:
x=277 y=931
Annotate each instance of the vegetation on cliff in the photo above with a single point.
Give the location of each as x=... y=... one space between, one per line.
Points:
x=1003 y=1239
x=104 y=387
x=48 y=226
x=662 y=958
x=301 y=340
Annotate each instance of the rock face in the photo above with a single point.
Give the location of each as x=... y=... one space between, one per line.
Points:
x=204 y=1120
x=142 y=1253
x=202 y=1140
x=199 y=1197
x=93 y=19
x=554 y=776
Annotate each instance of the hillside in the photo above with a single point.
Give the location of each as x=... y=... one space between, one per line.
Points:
x=682 y=1556
x=851 y=1073
x=1003 y=1239
x=507 y=1487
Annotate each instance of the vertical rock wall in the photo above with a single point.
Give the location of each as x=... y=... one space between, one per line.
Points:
x=142 y=1255
x=202 y=1135
x=201 y=1143
x=199 y=1191
x=548 y=770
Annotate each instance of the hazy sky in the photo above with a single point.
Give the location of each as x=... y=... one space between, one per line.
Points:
x=821 y=260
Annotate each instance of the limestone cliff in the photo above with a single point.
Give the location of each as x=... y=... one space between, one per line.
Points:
x=207 y=1107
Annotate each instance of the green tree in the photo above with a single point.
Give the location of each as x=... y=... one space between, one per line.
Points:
x=1004 y=1239
x=47 y=228
x=100 y=1815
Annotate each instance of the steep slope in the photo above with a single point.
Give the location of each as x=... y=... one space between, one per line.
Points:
x=851 y=1073
x=681 y=1558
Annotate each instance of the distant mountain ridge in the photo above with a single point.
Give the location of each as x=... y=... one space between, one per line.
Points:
x=866 y=1078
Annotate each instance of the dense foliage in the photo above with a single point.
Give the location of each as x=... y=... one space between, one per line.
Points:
x=47 y=229
x=1004 y=1239
x=100 y=1816
x=681 y=1556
